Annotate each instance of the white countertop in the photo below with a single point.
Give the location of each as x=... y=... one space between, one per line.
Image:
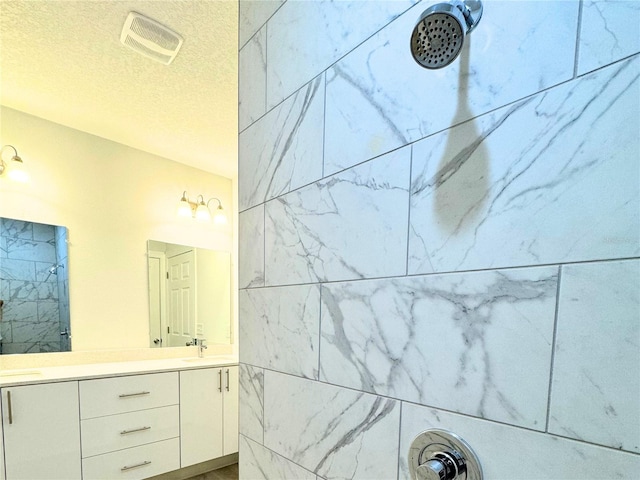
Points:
x=29 y=376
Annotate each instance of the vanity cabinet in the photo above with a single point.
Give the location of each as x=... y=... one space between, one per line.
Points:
x=130 y=426
x=126 y=426
x=209 y=413
x=41 y=431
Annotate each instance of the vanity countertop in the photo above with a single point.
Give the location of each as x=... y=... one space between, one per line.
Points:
x=29 y=376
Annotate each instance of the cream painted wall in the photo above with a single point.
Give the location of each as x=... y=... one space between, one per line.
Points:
x=112 y=198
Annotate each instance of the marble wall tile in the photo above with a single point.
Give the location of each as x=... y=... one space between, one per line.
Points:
x=48 y=311
x=316 y=34
x=351 y=225
x=29 y=332
x=251 y=421
x=12 y=348
x=11 y=228
x=282 y=151
x=595 y=395
x=509 y=453
x=44 y=233
x=259 y=463
x=32 y=250
x=252 y=81
x=253 y=15
x=251 y=248
x=11 y=269
x=551 y=179
x=279 y=329
x=609 y=31
x=5 y=329
x=458 y=341
x=331 y=431
x=393 y=101
x=20 y=291
x=26 y=311
x=50 y=347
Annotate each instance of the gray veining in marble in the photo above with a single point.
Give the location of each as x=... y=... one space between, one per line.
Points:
x=508 y=453
x=251 y=248
x=351 y=225
x=595 y=394
x=279 y=328
x=609 y=31
x=551 y=179
x=260 y=463
x=251 y=383
x=333 y=432
x=253 y=15
x=324 y=31
x=477 y=343
x=393 y=101
x=282 y=151
x=252 y=82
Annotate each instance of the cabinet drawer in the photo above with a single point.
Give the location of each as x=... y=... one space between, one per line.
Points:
x=117 y=432
x=109 y=396
x=134 y=463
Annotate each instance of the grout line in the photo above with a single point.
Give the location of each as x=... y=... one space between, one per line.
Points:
x=324 y=123
x=553 y=348
x=319 y=331
x=399 y=441
x=448 y=272
x=406 y=266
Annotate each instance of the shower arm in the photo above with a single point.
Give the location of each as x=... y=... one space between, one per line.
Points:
x=471 y=10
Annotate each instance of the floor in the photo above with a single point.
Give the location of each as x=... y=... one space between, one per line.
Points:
x=225 y=473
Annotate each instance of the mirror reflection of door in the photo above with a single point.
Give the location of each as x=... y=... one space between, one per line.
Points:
x=182 y=299
x=157 y=300
x=211 y=273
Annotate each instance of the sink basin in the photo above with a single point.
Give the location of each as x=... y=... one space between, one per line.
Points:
x=197 y=360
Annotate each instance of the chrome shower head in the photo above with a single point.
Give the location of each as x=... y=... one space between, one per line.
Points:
x=438 y=37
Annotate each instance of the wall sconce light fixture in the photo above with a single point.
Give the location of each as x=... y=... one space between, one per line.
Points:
x=200 y=210
x=14 y=168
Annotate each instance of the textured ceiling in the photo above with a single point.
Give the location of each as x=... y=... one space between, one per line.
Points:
x=63 y=61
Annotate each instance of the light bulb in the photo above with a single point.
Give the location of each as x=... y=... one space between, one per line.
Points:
x=202 y=213
x=219 y=218
x=184 y=209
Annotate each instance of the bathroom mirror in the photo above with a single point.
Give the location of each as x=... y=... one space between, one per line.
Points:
x=34 y=288
x=189 y=295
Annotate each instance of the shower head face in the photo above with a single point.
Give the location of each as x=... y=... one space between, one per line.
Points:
x=438 y=37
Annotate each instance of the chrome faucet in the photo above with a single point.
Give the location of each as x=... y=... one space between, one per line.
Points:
x=200 y=343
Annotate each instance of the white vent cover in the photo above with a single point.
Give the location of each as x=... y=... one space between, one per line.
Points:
x=150 y=38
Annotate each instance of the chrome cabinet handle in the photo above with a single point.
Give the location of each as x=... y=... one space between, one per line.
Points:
x=227 y=379
x=135 y=430
x=220 y=380
x=129 y=395
x=9 y=407
x=138 y=465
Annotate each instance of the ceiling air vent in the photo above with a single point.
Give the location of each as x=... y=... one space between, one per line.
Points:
x=151 y=39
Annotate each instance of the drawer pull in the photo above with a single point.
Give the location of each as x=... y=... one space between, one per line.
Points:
x=127 y=432
x=220 y=380
x=10 y=408
x=131 y=467
x=227 y=379
x=129 y=395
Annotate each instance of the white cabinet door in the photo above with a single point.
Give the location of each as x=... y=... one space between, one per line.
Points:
x=41 y=426
x=2 y=477
x=200 y=415
x=230 y=409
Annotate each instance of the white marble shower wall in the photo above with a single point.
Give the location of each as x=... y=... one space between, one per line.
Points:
x=456 y=248
x=30 y=316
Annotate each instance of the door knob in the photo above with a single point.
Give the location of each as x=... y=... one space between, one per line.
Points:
x=441 y=455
